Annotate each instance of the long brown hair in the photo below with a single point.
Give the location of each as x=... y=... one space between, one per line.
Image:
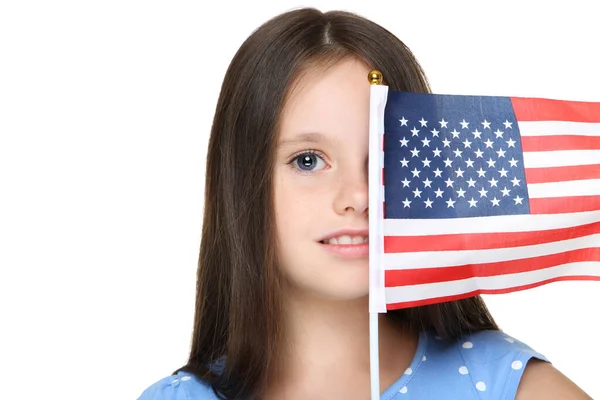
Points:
x=238 y=286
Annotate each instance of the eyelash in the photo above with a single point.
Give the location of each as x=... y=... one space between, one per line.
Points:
x=304 y=153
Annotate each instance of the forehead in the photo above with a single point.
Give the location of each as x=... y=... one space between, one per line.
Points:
x=328 y=101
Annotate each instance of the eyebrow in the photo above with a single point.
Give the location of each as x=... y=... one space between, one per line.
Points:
x=309 y=137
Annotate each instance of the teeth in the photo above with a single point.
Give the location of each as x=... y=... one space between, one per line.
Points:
x=346 y=239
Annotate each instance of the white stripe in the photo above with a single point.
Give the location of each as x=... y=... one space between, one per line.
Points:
x=441 y=289
x=446 y=258
x=502 y=223
x=560 y=158
x=555 y=128
x=588 y=187
x=378 y=99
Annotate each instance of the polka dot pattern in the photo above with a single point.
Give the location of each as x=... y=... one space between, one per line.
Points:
x=467 y=345
x=404 y=390
x=516 y=365
x=186 y=378
x=463 y=370
x=480 y=386
x=424 y=358
x=408 y=371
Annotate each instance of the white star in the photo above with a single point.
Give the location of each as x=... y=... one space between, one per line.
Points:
x=428 y=203
x=481 y=172
x=501 y=153
x=403 y=121
x=482 y=192
x=510 y=142
x=455 y=134
x=437 y=152
x=415 y=152
x=448 y=162
x=503 y=173
x=476 y=134
x=469 y=163
x=405 y=183
x=513 y=162
x=464 y=124
x=491 y=163
x=407 y=203
x=404 y=162
x=467 y=143
x=498 y=133
x=404 y=142
x=518 y=200
x=426 y=162
x=459 y=173
x=415 y=173
x=495 y=202
x=472 y=202
x=435 y=132
x=446 y=143
x=450 y=203
x=423 y=122
x=488 y=143
x=471 y=182
x=415 y=131
x=479 y=153
x=507 y=124
x=485 y=124
x=417 y=192
x=439 y=192
x=427 y=182
x=493 y=182
x=461 y=193
x=425 y=142
x=443 y=123
x=449 y=182
x=458 y=153
x=516 y=181
x=438 y=173
x=505 y=191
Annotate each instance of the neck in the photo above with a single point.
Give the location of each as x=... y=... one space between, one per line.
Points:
x=327 y=341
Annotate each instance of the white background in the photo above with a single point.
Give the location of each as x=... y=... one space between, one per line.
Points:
x=105 y=108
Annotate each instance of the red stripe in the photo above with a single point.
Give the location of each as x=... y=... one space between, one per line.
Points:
x=534 y=109
x=484 y=241
x=407 y=277
x=562 y=174
x=564 y=205
x=382 y=177
x=436 y=300
x=560 y=142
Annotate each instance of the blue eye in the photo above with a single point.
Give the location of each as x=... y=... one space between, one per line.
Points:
x=308 y=162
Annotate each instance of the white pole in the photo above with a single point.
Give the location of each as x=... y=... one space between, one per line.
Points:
x=374 y=354
x=376 y=273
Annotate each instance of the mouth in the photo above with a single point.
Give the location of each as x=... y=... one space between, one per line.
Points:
x=354 y=245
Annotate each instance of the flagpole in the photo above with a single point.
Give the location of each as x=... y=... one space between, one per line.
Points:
x=378 y=97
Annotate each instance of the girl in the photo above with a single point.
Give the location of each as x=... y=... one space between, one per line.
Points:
x=282 y=285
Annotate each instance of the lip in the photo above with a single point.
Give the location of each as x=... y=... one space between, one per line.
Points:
x=348 y=232
x=347 y=250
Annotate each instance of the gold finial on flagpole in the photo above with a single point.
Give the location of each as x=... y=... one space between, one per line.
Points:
x=375 y=77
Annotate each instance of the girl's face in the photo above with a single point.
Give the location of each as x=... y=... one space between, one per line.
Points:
x=321 y=188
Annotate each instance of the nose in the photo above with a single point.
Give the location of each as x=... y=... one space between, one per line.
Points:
x=352 y=192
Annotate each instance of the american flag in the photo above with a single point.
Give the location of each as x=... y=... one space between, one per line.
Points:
x=487 y=194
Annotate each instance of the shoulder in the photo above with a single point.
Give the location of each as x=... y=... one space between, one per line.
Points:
x=512 y=369
x=497 y=361
x=183 y=386
x=485 y=365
